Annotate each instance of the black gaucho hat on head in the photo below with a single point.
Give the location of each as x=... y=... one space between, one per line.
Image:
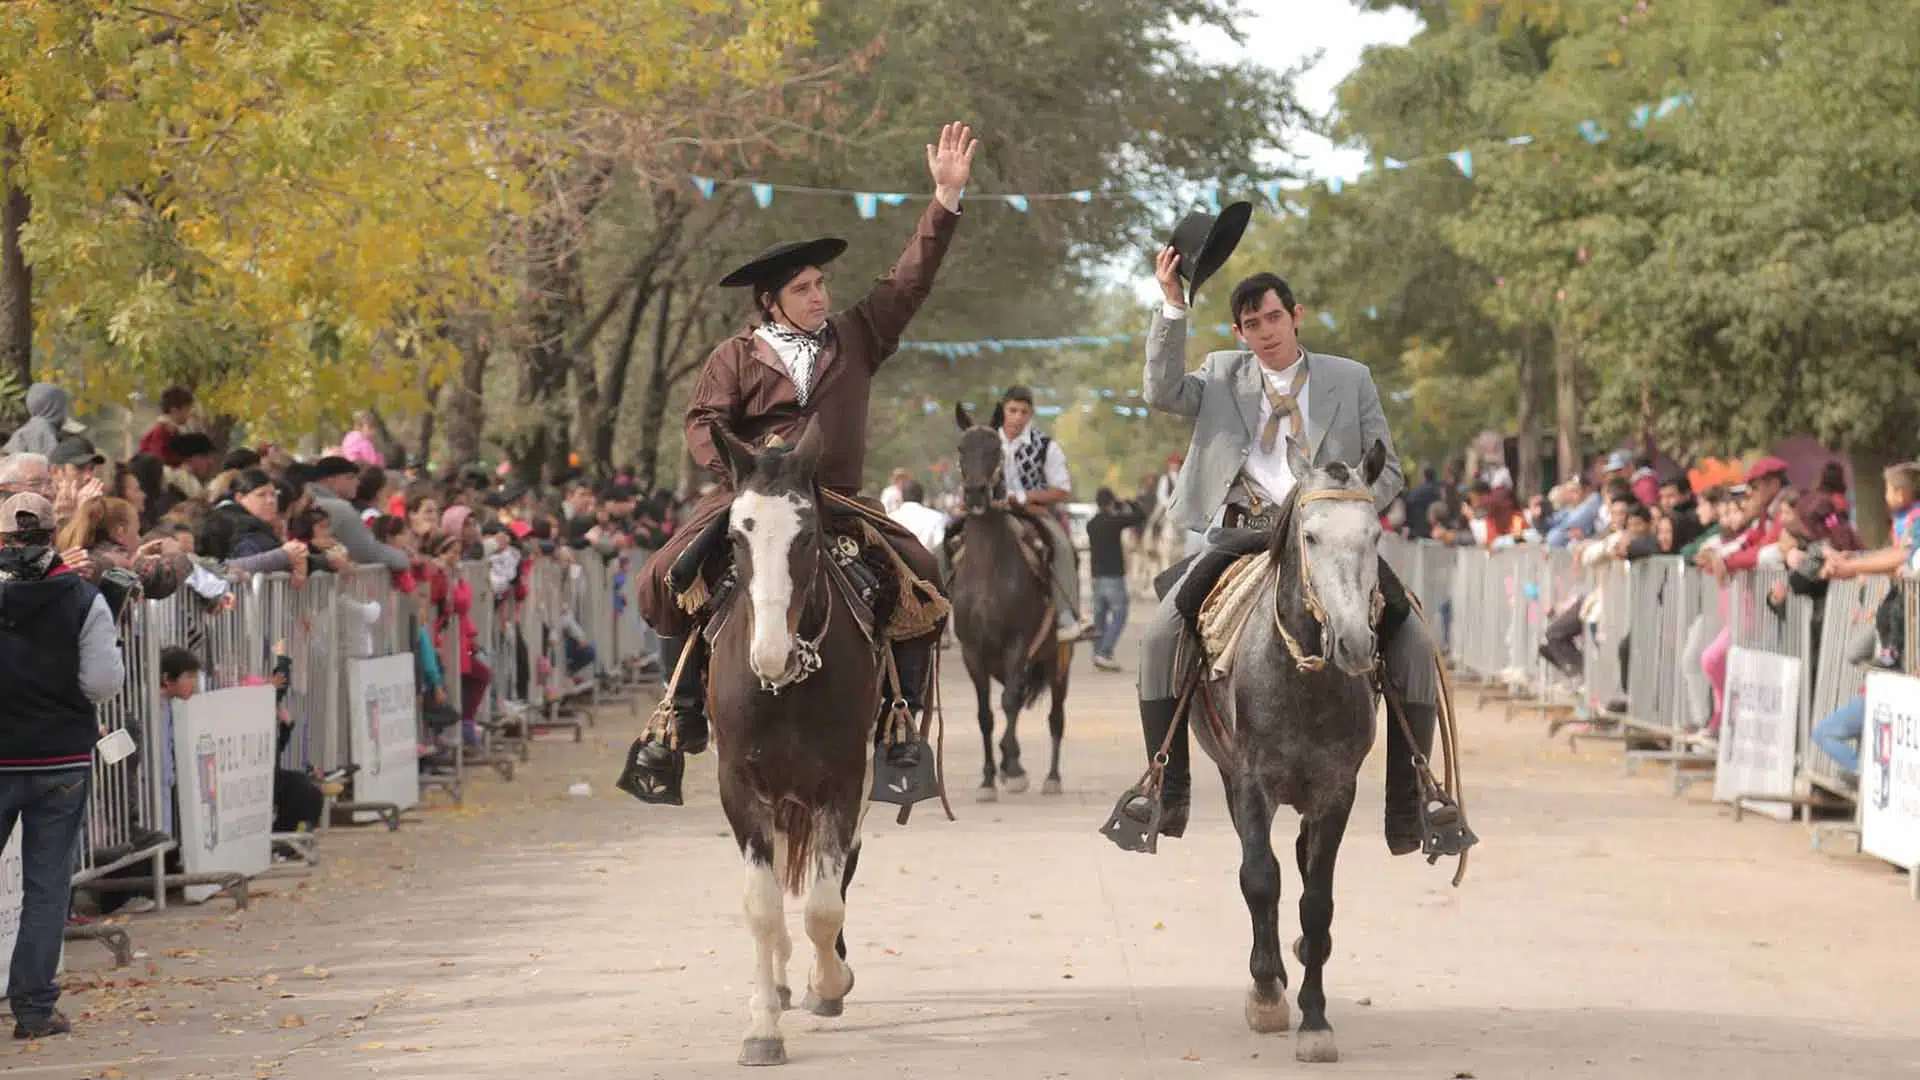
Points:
x=1204 y=242
x=774 y=267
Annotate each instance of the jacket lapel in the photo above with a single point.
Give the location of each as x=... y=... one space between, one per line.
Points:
x=1323 y=405
x=1246 y=392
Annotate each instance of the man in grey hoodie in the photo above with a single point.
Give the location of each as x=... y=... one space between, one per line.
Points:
x=334 y=479
x=47 y=421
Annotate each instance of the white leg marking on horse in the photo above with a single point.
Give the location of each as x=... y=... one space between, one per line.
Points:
x=1315 y=1047
x=866 y=803
x=770 y=524
x=767 y=919
x=826 y=914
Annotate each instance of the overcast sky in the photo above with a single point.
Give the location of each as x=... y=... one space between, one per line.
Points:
x=1282 y=34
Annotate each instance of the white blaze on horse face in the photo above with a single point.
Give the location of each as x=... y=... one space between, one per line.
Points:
x=1343 y=564
x=770 y=524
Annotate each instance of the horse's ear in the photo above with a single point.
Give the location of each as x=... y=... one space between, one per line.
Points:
x=1375 y=462
x=1297 y=461
x=736 y=455
x=962 y=417
x=806 y=453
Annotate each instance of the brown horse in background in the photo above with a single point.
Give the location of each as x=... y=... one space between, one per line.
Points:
x=1001 y=616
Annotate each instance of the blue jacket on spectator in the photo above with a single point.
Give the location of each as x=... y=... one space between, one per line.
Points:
x=1581 y=517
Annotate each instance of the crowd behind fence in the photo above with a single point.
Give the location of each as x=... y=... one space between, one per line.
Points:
x=315 y=627
x=1642 y=627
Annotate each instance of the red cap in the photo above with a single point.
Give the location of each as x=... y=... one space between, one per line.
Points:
x=519 y=529
x=1767 y=466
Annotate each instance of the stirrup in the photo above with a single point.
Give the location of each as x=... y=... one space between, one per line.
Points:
x=1443 y=826
x=903 y=770
x=1134 y=824
x=649 y=776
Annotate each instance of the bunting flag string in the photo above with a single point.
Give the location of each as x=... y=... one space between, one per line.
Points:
x=868 y=203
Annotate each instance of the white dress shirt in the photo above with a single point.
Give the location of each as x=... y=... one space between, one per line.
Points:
x=1055 y=466
x=1269 y=470
x=890 y=498
x=929 y=526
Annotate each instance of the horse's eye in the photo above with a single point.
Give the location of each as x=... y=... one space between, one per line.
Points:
x=1312 y=540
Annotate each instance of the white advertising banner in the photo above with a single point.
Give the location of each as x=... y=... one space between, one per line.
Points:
x=1759 y=729
x=1890 y=770
x=383 y=710
x=223 y=742
x=11 y=886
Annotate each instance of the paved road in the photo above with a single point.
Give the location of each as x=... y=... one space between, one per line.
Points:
x=1607 y=929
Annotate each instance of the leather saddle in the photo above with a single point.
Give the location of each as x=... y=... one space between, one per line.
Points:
x=1036 y=543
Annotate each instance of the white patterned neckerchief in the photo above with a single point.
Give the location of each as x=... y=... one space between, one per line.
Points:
x=799 y=352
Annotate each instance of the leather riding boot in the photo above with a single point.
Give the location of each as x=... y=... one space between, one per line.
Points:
x=689 y=696
x=912 y=660
x=1176 y=790
x=1403 y=780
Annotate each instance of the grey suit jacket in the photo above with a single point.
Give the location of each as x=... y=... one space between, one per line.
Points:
x=1223 y=397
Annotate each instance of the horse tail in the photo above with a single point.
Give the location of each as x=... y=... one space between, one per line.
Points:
x=794 y=820
x=1036 y=680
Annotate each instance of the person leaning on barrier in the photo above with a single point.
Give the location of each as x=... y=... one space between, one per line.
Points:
x=59 y=656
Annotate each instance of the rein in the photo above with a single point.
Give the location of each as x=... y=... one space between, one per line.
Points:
x=1302 y=661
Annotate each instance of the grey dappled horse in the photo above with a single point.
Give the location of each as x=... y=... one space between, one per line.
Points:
x=794 y=731
x=1000 y=615
x=1299 y=720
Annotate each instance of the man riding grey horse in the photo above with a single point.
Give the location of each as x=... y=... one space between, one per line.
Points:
x=1245 y=404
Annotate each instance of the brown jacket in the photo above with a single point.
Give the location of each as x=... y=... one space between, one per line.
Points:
x=745 y=390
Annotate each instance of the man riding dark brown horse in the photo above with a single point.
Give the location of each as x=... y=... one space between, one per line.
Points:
x=800 y=364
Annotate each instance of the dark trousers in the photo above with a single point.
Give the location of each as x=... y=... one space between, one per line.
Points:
x=49 y=808
x=1561 y=646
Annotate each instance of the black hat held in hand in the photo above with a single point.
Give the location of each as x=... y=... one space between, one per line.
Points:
x=1204 y=242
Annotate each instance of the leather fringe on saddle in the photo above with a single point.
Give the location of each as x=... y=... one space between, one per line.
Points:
x=921 y=607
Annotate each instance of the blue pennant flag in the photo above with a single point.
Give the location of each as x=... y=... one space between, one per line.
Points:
x=1018 y=202
x=1049 y=410
x=1520 y=140
x=1326 y=319
x=893 y=198
x=1592 y=132
x=1080 y=196
x=1213 y=196
x=1271 y=189
x=1667 y=105
x=763 y=195
x=1334 y=184
x=705 y=184
x=1396 y=163
x=1641 y=114
x=1462 y=160
x=1372 y=312
x=866 y=202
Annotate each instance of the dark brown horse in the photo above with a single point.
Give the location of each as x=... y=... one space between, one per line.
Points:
x=794 y=693
x=1006 y=628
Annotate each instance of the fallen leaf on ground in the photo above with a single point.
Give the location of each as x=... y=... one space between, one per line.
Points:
x=372 y=1046
x=291 y=1021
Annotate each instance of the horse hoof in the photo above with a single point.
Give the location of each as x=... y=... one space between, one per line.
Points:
x=763 y=1052
x=1268 y=1017
x=820 y=1006
x=786 y=998
x=1051 y=787
x=1316 y=1047
x=1017 y=785
x=988 y=793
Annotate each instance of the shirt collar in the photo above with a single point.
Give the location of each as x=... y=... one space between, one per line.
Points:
x=1284 y=375
x=1025 y=437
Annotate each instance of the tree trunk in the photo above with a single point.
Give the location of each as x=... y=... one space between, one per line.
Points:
x=653 y=407
x=1870 y=462
x=466 y=412
x=423 y=438
x=539 y=448
x=1526 y=482
x=1566 y=403
x=614 y=391
x=16 y=277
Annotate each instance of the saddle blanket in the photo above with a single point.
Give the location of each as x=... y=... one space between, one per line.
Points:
x=1232 y=601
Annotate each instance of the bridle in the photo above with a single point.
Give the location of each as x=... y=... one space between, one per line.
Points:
x=806 y=650
x=1302 y=660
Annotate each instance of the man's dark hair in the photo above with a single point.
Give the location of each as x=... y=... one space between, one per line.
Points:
x=1104 y=498
x=1678 y=482
x=176 y=661
x=913 y=491
x=1619 y=488
x=188 y=444
x=1249 y=294
x=175 y=397
x=1638 y=511
x=243 y=457
x=372 y=479
x=249 y=481
x=1479 y=487
x=1429 y=475
x=334 y=465
x=302 y=526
